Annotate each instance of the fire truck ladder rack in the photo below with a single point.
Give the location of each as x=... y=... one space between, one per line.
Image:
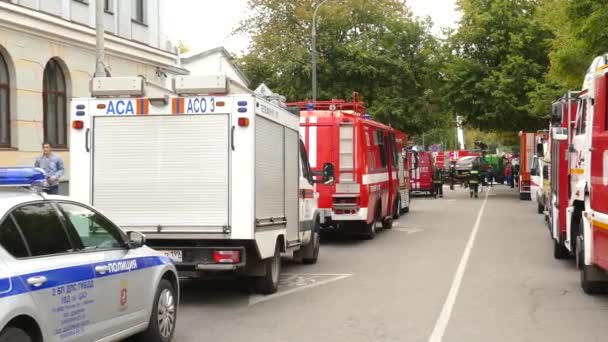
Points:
x=356 y=105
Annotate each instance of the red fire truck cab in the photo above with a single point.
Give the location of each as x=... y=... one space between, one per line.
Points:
x=563 y=114
x=367 y=159
x=587 y=214
x=526 y=157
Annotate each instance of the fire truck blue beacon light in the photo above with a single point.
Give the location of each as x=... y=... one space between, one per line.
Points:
x=21 y=176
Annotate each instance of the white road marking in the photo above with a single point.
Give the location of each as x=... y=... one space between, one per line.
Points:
x=411 y=230
x=446 y=312
x=256 y=299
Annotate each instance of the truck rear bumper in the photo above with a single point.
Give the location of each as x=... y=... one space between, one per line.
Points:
x=196 y=257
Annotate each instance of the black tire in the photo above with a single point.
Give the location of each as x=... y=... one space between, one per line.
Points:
x=12 y=334
x=560 y=251
x=540 y=208
x=164 y=300
x=387 y=223
x=369 y=230
x=592 y=287
x=269 y=282
x=310 y=253
x=397 y=210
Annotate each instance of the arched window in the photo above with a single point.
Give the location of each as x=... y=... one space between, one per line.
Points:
x=5 y=108
x=54 y=101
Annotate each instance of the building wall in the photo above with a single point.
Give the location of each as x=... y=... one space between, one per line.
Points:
x=119 y=22
x=27 y=53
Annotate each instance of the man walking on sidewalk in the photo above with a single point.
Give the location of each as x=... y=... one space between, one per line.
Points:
x=52 y=165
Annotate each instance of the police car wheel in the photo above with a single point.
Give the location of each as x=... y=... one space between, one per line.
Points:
x=12 y=334
x=164 y=315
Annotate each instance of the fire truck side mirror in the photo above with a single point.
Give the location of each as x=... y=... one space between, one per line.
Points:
x=540 y=151
x=328 y=174
x=560 y=134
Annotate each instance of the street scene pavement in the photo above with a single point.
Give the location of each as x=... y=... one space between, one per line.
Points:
x=453 y=269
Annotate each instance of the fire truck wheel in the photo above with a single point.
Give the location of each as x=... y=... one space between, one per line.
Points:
x=560 y=251
x=592 y=287
x=387 y=223
x=269 y=282
x=540 y=208
x=397 y=210
x=310 y=253
x=370 y=230
x=579 y=251
x=11 y=334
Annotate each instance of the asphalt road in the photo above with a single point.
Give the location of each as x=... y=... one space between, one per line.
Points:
x=453 y=269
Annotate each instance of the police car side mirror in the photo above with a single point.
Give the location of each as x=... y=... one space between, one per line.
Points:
x=328 y=174
x=136 y=239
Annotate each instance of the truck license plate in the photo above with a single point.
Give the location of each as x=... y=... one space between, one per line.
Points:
x=174 y=255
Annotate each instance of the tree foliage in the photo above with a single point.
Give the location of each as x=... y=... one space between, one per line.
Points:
x=500 y=70
x=499 y=60
x=374 y=47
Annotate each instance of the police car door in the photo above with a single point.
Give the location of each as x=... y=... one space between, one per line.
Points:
x=124 y=285
x=58 y=279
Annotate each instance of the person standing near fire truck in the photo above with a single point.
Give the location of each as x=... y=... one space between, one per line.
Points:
x=474 y=179
x=438 y=182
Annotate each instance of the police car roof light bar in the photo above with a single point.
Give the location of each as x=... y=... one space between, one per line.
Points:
x=21 y=176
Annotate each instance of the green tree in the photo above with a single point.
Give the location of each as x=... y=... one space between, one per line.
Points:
x=374 y=47
x=499 y=61
x=580 y=35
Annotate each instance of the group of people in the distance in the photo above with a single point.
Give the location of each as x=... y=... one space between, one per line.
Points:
x=480 y=175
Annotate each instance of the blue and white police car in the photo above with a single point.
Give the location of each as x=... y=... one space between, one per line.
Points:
x=67 y=273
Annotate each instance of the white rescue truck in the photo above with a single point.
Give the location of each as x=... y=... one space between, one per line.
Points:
x=217 y=177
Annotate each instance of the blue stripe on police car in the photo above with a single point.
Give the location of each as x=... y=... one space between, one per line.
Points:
x=74 y=274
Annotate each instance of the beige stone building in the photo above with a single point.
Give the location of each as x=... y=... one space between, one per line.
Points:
x=47 y=57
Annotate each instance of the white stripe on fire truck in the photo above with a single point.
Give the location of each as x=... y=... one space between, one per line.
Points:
x=375 y=178
x=313 y=143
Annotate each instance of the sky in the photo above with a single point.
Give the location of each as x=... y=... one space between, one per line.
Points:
x=206 y=24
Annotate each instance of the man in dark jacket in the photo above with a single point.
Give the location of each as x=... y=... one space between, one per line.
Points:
x=438 y=182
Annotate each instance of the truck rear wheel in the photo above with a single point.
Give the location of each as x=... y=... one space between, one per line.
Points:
x=539 y=207
x=589 y=280
x=397 y=210
x=370 y=230
x=269 y=282
x=560 y=251
x=387 y=223
x=310 y=252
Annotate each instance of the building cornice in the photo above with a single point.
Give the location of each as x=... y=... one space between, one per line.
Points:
x=25 y=20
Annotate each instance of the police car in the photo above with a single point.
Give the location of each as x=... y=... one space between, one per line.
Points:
x=67 y=273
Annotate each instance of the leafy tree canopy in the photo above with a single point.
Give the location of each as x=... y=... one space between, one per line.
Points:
x=374 y=47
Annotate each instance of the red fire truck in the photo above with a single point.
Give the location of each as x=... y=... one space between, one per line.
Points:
x=421 y=177
x=563 y=114
x=587 y=214
x=403 y=174
x=526 y=157
x=367 y=158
